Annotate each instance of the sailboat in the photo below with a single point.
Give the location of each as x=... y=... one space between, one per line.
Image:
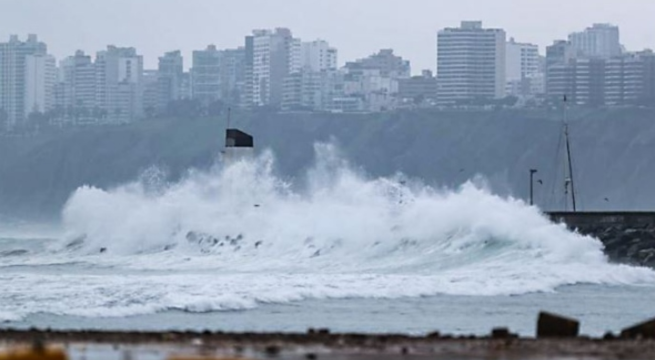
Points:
x=561 y=215
x=569 y=183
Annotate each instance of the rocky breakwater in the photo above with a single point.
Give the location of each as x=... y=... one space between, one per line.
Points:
x=629 y=237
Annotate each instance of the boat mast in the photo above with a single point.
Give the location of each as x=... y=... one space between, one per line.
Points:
x=227 y=128
x=229 y=112
x=569 y=180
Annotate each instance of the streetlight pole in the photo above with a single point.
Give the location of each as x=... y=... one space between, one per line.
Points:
x=532 y=172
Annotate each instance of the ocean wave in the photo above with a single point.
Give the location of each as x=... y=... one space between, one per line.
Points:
x=244 y=216
x=234 y=237
x=132 y=295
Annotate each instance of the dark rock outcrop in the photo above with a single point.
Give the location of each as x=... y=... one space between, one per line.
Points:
x=556 y=326
x=629 y=237
x=645 y=330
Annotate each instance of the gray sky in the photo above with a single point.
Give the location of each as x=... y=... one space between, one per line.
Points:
x=356 y=27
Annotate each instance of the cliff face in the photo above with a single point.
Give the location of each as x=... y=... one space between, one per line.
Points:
x=613 y=153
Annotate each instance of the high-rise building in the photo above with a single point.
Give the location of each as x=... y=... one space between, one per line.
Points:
x=523 y=70
x=470 y=63
x=599 y=41
x=630 y=79
x=375 y=90
x=649 y=78
x=186 y=86
x=627 y=80
x=302 y=91
x=219 y=75
x=40 y=79
x=270 y=57
x=559 y=81
x=588 y=78
x=386 y=62
x=373 y=82
x=312 y=73
x=318 y=56
x=151 y=93
x=558 y=57
x=418 y=90
x=247 y=96
x=76 y=85
x=13 y=71
x=560 y=52
x=522 y=60
x=581 y=81
x=206 y=75
x=232 y=75
x=119 y=85
x=295 y=55
x=169 y=78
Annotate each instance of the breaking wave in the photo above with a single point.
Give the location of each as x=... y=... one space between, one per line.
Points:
x=234 y=237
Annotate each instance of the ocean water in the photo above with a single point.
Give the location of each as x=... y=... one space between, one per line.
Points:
x=238 y=248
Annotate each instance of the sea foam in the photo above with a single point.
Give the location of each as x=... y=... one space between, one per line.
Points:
x=237 y=236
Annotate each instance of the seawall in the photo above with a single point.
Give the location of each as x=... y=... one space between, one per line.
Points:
x=628 y=236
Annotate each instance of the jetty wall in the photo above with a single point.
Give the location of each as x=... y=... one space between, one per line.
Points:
x=629 y=237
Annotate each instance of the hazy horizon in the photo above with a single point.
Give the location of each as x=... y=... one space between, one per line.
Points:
x=356 y=29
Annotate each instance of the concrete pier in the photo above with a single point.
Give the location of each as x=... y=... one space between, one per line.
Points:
x=628 y=236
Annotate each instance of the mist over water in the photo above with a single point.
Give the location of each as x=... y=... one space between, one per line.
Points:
x=234 y=237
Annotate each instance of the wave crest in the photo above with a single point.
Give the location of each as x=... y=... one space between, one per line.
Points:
x=237 y=236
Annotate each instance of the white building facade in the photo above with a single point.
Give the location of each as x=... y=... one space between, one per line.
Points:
x=371 y=84
x=274 y=55
x=76 y=85
x=206 y=75
x=232 y=79
x=13 y=82
x=319 y=56
x=309 y=85
x=119 y=85
x=170 y=70
x=471 y=63
x=598 y=41
x=523 y=71
x=40 y=78
x=522 y=59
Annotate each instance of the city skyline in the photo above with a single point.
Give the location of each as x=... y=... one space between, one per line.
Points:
x=410 y=30
x=275 y=69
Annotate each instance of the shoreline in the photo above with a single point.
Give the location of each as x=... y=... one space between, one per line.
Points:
x=321 y=343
